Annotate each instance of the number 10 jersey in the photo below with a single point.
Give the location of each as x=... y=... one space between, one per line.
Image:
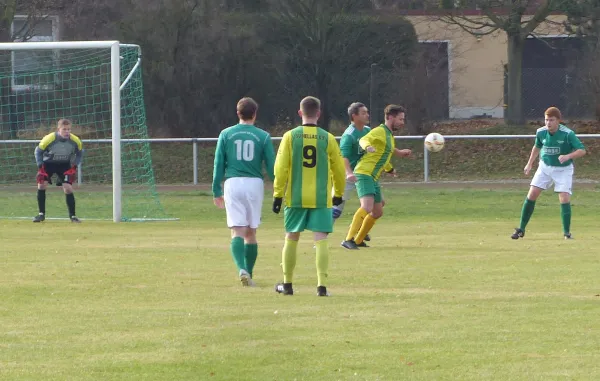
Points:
x=241 y=151
x=308 y=163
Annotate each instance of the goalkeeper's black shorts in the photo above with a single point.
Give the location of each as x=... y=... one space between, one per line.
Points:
x=59 y=169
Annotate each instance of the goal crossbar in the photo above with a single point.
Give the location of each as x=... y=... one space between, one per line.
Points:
x=57 y=45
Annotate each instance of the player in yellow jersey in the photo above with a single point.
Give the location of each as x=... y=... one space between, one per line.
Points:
x=379 y=146
x=308 y=162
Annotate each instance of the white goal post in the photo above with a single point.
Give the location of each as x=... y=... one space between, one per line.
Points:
x=115 y=73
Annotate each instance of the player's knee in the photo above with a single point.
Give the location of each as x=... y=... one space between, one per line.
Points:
x=367 y=208
x=67 y=188
x=377 y=214
x=564 y=197
x=292 y=236
x=250 y=236
x=238 y=231
x=319 y=236
x=43 y=186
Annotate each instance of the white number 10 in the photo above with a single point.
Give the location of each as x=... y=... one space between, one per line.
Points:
x=244 y=149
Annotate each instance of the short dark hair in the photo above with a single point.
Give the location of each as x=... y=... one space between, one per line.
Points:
x=393 y=110
x=247 y=107
x=553 y=112
x=63 y=122
x=310 y=106
x=354 y=109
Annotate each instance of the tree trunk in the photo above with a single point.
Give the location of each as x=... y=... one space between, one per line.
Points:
x=514 y=112
x=7 y=13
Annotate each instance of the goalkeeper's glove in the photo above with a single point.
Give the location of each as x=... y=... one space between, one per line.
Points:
x=71 y=171
x=70 y=174
x=41 y=174
x=277 y=204
x=337 y=200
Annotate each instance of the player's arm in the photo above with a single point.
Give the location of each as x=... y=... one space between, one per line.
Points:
x=39 y=156
x=388 y=167
x=535 y=152
x=282 y=166
x=338 y=170
x=269 y=157
x=577 y=145
x=79 y=152
x=39 y=150
x=346 y=148
x=402 y=152
x=370 y=141
x=576 y=154
x=219 y=167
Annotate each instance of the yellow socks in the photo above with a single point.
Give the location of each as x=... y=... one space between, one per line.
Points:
x=357 y=221
x=367 y=224
x=322 y=261
x=288 y=260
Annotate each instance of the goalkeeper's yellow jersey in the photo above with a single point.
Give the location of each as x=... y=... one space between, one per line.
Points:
x=373 y=163
x=308 y=163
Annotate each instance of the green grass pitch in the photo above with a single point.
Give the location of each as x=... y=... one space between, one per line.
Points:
x=442 y=294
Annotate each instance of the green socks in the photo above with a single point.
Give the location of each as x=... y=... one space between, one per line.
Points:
x=238 y=253
x=322 y=261
x=251 y=253
x=526 y=213
x=288 y=260
x=565 y=214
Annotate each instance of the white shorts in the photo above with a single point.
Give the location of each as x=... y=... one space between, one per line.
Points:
x=562 y=177
x=350 y=186
x=243 y=201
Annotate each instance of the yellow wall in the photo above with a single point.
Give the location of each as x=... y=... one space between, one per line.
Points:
x=475 y=65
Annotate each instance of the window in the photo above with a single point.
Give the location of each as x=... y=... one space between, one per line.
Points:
x=34 y=69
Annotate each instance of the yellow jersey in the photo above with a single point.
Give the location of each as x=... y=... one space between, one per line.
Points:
x=373 y=163
x=307 y=164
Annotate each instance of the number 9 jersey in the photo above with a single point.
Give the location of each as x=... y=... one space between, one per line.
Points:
x=308 y=162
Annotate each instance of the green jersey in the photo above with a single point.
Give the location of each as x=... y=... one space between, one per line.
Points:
x=562 y=142
x=349 y=146
x=241 y=151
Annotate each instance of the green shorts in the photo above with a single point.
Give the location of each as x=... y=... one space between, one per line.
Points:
x=367 y=186
x=317 y=220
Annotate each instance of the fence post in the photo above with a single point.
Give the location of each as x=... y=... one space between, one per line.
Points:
x=195 y=160
x=425 y=163
x=79 y=174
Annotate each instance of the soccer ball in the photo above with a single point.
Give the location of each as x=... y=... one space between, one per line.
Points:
x=434 y=142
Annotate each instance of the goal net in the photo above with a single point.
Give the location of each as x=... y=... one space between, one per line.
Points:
x=41 y=83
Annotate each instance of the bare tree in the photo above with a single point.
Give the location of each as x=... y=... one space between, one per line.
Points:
x=326 y=48
x=518 y=19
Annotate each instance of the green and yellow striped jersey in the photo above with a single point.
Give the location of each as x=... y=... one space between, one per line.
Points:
x=308 y=162
x=373 y=163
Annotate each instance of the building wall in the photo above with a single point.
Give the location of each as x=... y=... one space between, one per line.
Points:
x=476 y=65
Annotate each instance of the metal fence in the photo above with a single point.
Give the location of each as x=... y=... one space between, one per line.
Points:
x=575 y=94
x=196 y=141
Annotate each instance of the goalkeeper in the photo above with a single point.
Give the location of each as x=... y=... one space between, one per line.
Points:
x=58 y=153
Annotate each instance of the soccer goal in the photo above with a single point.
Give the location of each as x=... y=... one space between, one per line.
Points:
x=98 y=86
